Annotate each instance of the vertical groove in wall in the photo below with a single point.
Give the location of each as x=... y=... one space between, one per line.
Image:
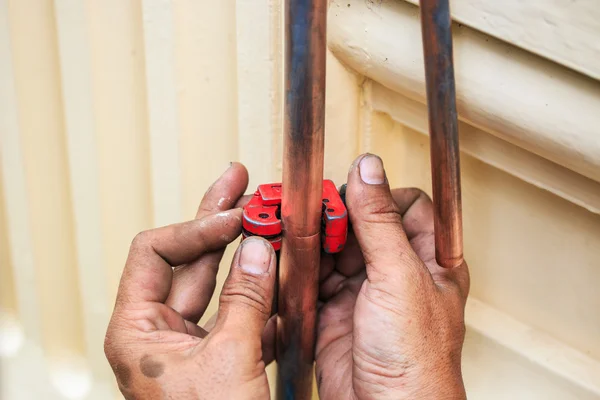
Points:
x=163 y=124
x=38 y=87
x=10 y=334
x=206 y=93
x=277 y=50
x=119 y=104
x=8 y=303
x=75 y=63
x=365 y=119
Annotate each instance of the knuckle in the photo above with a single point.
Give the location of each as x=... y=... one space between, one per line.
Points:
x=420 y=194
x=141 y=240
x=379 y=209
x=205 y=209
x=248 y=291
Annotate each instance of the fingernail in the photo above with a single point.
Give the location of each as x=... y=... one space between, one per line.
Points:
x=255 y=256
x=371 y=170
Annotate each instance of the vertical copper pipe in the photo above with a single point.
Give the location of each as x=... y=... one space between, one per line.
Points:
x=443 y=128
x=301 y=195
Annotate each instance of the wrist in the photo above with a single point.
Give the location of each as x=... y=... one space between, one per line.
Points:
x=438 y=382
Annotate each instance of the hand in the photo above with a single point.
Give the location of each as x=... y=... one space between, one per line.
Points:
x=392 y=326
x=154 y=344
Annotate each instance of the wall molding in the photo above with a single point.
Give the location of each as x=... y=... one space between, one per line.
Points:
x=496 y=152
x=534 y=345
x=563 y=31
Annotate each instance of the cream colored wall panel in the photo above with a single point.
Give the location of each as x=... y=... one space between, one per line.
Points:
x=496 y=152
x=542 y=254
x=259 y=87
x=121 y=126
x=76 y=77
x=564 y=31
x=46 y=172
x=206 y=69
x=16 y=200
x=407 y=164
x=163 y=121
x=342 y=113
x=528 y=101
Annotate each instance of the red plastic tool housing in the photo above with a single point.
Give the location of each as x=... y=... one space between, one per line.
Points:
x=262 y=217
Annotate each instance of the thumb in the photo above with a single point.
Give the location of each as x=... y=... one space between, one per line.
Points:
x=247 y=295
x=377 y=221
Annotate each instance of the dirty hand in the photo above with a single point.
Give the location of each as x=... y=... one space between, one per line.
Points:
x=392 y=326
x=153 y=343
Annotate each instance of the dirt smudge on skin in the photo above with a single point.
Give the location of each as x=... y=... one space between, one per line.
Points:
x=150 y=367
x=123 y=374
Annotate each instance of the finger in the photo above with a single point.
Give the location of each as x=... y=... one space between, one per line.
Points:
x=349 y=261
x=225 y=192
x=337 y=282
x=247 y=295
x=328 y=288
x=417 y=218
x=194 y=283
x=148 y=271
x=243 y=200
x=327 y=266
x=210 y=324
x=333 y=350
x=268 y=340
x=377 y=222
x=195 y=330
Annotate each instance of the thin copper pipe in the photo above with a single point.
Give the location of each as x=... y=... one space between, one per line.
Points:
x=443 y=129
x=301 y=195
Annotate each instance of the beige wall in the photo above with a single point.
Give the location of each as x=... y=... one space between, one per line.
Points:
x=115 y=116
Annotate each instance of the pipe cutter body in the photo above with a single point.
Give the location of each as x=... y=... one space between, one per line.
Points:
x=262 y=217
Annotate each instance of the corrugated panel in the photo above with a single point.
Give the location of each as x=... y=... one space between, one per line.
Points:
x=116 y=116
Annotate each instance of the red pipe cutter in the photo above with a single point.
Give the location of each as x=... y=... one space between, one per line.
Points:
x=262 y=217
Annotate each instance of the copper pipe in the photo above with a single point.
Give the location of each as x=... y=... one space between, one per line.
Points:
x=305 y=39
x=443 y=129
